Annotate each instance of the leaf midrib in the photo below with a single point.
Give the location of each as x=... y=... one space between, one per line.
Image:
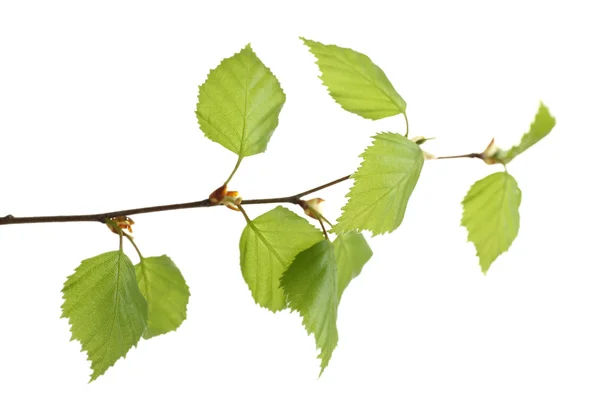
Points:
x=265 y=242
x=246 y=92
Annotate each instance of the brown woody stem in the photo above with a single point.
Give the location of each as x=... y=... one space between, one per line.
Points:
x=103 y=217
x=468 y=155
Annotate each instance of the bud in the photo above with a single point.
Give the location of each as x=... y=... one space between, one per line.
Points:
x=428 y=155
x=230 y=199
x=217 y=195
x=312 y=207
x=489 y=156
x=123 y=222
x=419 y=140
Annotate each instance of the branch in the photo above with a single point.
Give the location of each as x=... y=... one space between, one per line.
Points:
x=295 y=199
x=103 y=217
x=468 y=155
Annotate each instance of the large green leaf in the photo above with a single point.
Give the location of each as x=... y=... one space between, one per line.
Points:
x=166 y=292
x=382 y=185
x=491 y=216
x=355 y=82
x=268 y=246
x=239 y=104
x=311 y=289
x=352 y=252
x=105 y=308
x=540 y=127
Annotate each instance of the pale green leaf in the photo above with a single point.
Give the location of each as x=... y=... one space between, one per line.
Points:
x=355 y=82
x=491 y=216
x=311 y=289
x=166 y=292
x=268 y=246
x=540 y=127
x=105 y=308
x=382 y=185
x=239 y=104
x=352 y=252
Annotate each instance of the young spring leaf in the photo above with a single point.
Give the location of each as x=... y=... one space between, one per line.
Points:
x=382 y=185
x=491 y=216
x=239 y=104
x=268 y=246
x=311 y=289
x=166 y=293
x=352 y=252
x=540 y=127
x=355 y=82
x=105 y=308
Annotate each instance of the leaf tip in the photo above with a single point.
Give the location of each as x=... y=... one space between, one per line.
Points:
x=485 y=266
x=306 y=41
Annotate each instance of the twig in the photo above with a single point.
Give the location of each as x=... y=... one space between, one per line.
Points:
x=103 y=217
x=468 y=155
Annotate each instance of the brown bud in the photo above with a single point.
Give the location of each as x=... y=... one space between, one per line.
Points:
x=217 y=196
x=230 y=199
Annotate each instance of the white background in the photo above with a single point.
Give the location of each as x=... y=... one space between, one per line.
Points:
x=97 y=113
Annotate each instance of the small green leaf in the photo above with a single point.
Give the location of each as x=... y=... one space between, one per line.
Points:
x=540 y=127
x=268 y=246
x=382 y=185
x=355 y=82
x=491 y=216
x=105 y=308
x=311 y=289
x=352 y=252
x=166 y=292
x=239 y=104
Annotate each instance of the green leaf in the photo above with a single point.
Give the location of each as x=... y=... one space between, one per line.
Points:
x=355 y=82
x=491 y=216
x=311 y=289
x=239 y=104
x=105 y=308
x=268 y=246
x=382 y=185
x=166 y=292
x=352 y=252
x=540 y=127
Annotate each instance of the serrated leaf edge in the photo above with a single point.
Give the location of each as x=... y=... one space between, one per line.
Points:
x=353 y=177
x=92 y=377
x=144 y=334
x=248 y=48
x=385 y=93
x=251 y=224
x=485 y=269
